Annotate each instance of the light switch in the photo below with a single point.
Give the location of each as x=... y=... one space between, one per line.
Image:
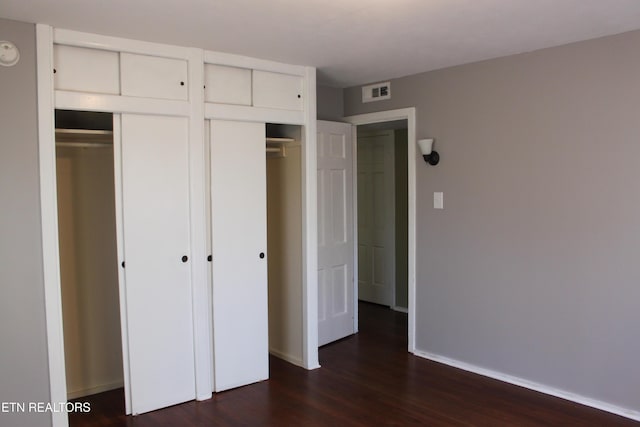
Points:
x=438 y=200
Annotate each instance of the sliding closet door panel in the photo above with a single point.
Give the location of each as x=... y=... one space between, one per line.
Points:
x=155 y=192
x=239 y=243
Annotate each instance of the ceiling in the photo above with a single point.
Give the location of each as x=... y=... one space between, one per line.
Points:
x=351 y=42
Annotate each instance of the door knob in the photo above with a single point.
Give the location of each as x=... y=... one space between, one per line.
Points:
x=209 y=258
x=261 y=255
x=185 y=258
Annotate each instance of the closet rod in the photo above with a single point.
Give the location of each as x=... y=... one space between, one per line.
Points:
x=83 y=131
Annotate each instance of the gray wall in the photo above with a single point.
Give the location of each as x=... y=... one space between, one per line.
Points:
x=329 y=103
x=23 y=357
x=532 y=267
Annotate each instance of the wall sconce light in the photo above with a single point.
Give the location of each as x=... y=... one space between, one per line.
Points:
x=430 y=156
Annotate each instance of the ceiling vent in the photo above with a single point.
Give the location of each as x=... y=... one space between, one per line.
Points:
x=376 y=92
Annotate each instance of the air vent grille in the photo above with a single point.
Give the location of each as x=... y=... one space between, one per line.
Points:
x=376 y=92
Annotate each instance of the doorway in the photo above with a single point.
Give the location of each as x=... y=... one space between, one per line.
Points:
x=379 y=119
x=382 y=213
x=88 y=252
x=338 y=218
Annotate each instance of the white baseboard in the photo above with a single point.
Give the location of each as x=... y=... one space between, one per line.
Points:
x=401 y=309
x=286 y=357
x=587 y=401
x=94 y=390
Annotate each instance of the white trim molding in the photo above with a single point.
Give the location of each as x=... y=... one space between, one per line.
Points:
x=94 y=390
x=287 y=357
x=49 y=218
x=531 y=385
x=118 y=44
x=240 y=61
x=68 y=100
x=198 y=223
x=310 y=226
x=247 y=113
x=408 y=114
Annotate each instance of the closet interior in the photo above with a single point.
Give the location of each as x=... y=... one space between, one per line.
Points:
x=284 y=239
x=88 y=252
x=88 y=248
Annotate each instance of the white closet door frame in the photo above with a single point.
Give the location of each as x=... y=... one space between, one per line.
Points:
x=408 y=114
x=117 y=179
x=309 y=179
x=48 y=100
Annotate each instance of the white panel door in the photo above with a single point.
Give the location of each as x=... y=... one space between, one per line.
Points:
x=155 y=214
x=376 y=218
x=335 y=232
x=239 y=244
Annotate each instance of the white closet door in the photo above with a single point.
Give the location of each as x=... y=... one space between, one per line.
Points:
x=336 y=306
x=155 y=203
x=239 y=243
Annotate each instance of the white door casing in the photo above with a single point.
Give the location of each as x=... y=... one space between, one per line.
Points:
x=155 y=213
x=239 y=244
x=376 y=217
x=336 y=308
x=408 y=114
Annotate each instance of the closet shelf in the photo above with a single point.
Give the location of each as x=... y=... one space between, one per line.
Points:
x=274 y=140
x=276 y=146
x=83 y=137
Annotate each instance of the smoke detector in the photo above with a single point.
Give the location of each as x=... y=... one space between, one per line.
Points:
x=9 y=53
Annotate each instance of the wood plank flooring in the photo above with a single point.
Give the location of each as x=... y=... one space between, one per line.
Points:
x=368 y=379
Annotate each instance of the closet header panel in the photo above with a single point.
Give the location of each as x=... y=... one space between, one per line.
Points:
x=101 y=73
x=277 y=90
x=262 y=90
x=227 y=85
x=153 y=77
x=86 y=70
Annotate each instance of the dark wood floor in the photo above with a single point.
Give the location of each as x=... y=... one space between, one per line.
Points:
x=368 y=379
